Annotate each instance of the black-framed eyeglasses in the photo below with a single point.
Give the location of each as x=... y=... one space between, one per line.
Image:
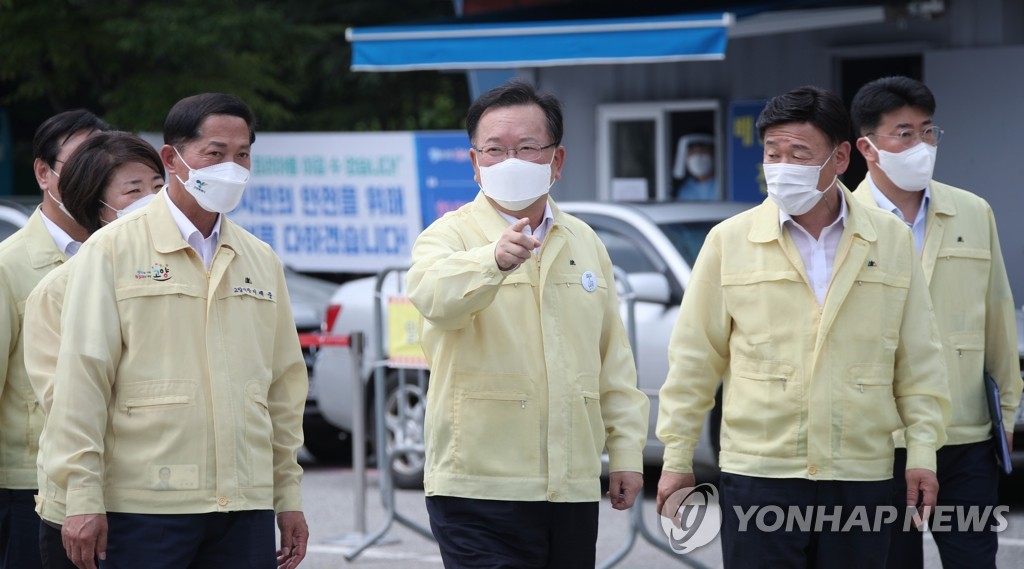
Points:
x=907 y=137
x=528 y=152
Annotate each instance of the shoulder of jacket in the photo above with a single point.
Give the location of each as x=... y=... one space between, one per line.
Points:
x=13 y=246
x=961 y=197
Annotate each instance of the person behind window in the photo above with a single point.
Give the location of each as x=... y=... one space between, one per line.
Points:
x=695 y=164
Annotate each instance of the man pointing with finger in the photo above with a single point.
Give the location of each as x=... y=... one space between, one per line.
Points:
x=532 y=375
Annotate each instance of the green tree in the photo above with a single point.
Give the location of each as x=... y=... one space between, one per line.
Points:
x=131 y=60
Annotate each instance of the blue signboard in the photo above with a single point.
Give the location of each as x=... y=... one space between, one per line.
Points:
x=445 y=173
x=746 y=152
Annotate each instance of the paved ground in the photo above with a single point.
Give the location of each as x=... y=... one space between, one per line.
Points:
x=328 y=494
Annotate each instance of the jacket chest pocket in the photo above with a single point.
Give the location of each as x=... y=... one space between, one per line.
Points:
x=161 y=314
x=874 y=307
x=965 y=275
x=583 y=298
x=758 y=301
x=248 y=317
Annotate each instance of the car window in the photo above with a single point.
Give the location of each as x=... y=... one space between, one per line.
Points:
x=688 y=237
x=625 y=252
x=7 y=229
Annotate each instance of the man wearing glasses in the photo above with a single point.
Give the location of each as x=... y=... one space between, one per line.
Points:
x=955 y=234
x=532 y=374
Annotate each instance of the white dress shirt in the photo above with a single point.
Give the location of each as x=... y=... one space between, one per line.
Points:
x=918 y=226
x=205 y=246
x=819 y=254
x=64 y=242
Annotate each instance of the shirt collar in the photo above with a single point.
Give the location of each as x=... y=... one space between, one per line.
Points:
x=885 y=203
x=64 y=242
x=784 y=217
x=185 y=225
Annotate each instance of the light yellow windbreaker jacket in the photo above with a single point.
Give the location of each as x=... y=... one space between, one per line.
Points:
x=25 y=257
x=974 y=308
x=42 y=339
x=531 y=374
x=810 y=392
x=176 y=390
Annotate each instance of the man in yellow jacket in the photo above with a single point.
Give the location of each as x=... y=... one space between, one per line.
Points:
x=955 y=234
x=812 y=310
x=49 y=238
x=180 y=385
x=532 y=374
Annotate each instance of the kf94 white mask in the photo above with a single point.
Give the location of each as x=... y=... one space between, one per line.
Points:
x=910 y=170
x=217 y=188
x=794 y=187
x=515 y=184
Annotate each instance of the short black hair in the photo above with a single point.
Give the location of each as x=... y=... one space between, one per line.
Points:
x=513 y=93
x=886 y=95
x=89 y=169
x=821 y=108
x=56 y=130
x=186 y=116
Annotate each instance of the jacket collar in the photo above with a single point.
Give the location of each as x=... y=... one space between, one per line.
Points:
x=42 y=250
x=165 y=233
x=766 y=227
x=940 y=201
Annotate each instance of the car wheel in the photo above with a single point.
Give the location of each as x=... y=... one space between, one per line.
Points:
x=405 y=428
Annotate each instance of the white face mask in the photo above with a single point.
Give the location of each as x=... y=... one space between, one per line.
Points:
x=137 y=204
x=217 y=188
x=794 y=187
x=910 y=170
x=700 y=165
x=516 y=184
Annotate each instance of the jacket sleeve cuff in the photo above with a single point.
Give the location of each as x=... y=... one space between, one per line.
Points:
x=921 y=457
x=1009 y=419
x=85 y=501
x=288 y=499
x=620 y=460
x=678 y=459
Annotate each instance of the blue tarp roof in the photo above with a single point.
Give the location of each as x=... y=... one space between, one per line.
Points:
x=652 y=39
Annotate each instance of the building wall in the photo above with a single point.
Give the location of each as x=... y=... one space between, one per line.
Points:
x=968 y=54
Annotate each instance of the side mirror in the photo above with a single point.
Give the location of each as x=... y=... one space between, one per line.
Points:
x=650 y=287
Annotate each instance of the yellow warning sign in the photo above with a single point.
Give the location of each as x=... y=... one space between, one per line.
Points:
x=404 y=334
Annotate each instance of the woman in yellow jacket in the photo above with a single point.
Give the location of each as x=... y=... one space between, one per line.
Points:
x=50 y=237
x=108 y=175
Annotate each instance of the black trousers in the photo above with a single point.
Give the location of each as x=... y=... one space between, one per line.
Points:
x=232 y=540
x=51 y=548
x=19 y=530
x=500 y=534
x=759 y=539
x=968 y=476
